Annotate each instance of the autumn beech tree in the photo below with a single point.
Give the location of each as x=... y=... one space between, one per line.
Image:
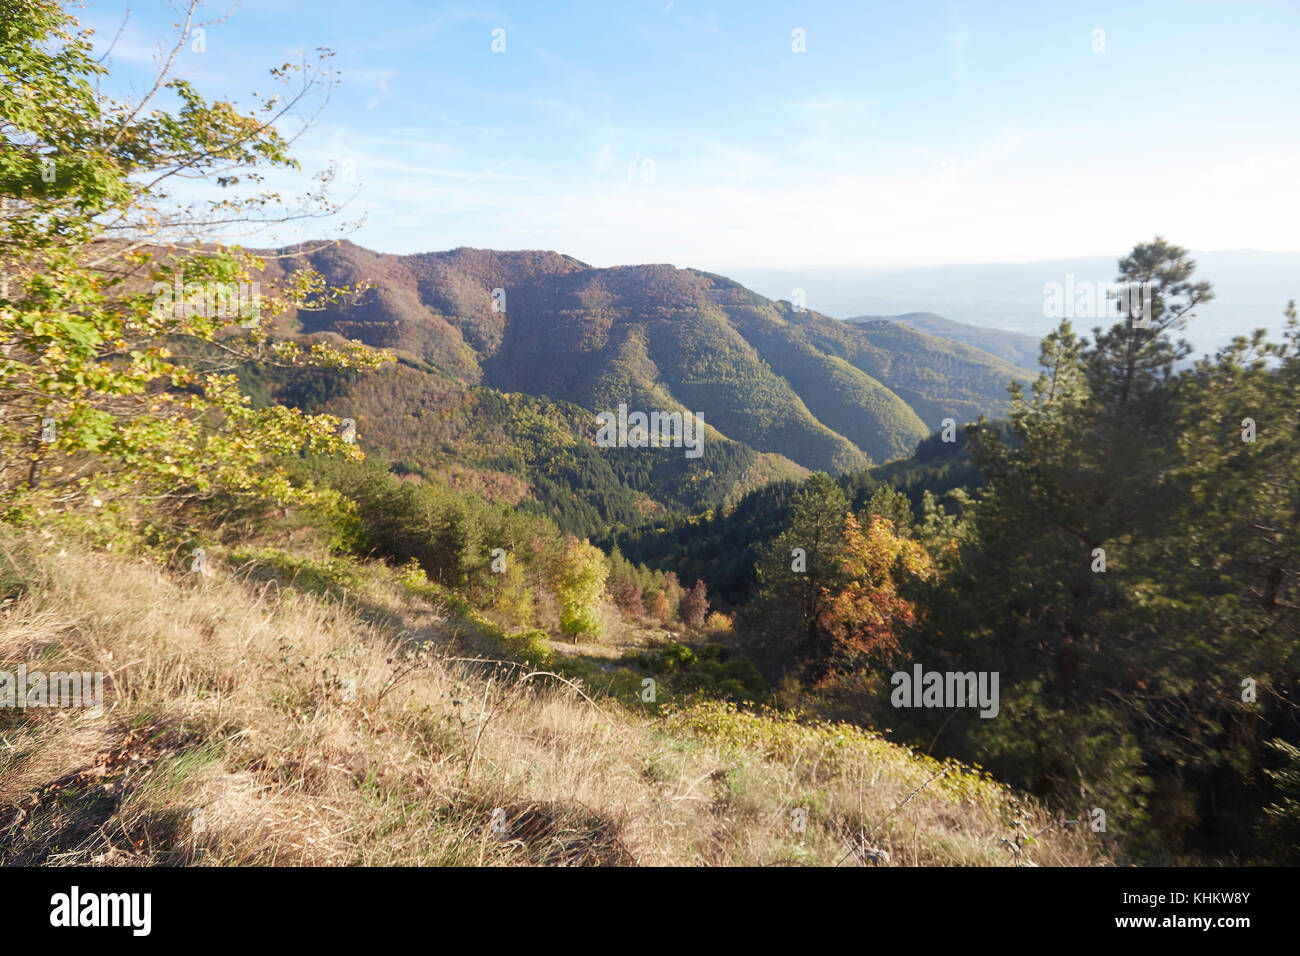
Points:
x=863 y=620
x=112 y=386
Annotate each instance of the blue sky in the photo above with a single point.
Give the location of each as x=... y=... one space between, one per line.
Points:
x=694 y=133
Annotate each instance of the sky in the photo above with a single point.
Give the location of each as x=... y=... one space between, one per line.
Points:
x=753 y=134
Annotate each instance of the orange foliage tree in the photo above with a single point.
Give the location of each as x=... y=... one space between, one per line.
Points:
x=865 y=616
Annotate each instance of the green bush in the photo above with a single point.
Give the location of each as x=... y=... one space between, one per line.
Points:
x=531 y=647
x=710 y=669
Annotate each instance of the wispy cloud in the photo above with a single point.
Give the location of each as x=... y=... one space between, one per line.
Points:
x=903 y=136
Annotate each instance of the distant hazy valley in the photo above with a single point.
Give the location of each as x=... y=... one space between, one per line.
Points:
x=1249 y=285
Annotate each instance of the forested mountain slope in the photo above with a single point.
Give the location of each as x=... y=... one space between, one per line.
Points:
x=776 y=380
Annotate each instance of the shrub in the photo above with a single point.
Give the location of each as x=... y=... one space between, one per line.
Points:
x=531 y=647
x=710 y=669
x=717 y=623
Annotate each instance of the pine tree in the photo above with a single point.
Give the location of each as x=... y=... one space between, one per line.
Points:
x=894 y=506
x=1132 y=563
x=798 y=566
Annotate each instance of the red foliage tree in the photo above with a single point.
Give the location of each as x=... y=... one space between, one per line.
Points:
x=695 y=605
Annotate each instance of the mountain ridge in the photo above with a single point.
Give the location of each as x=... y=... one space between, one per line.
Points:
x=787 y=389
x=1017 y=348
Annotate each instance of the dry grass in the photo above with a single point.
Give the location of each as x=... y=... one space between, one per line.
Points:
x=250 y=723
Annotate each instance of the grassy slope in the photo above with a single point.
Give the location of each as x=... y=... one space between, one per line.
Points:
x=229 y=738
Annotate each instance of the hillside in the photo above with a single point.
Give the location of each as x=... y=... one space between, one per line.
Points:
x=1015 y=347
x=247 y=723
x=524 y=450
x=777 y=381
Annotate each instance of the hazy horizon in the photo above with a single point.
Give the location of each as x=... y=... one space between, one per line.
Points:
x=724 y=137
